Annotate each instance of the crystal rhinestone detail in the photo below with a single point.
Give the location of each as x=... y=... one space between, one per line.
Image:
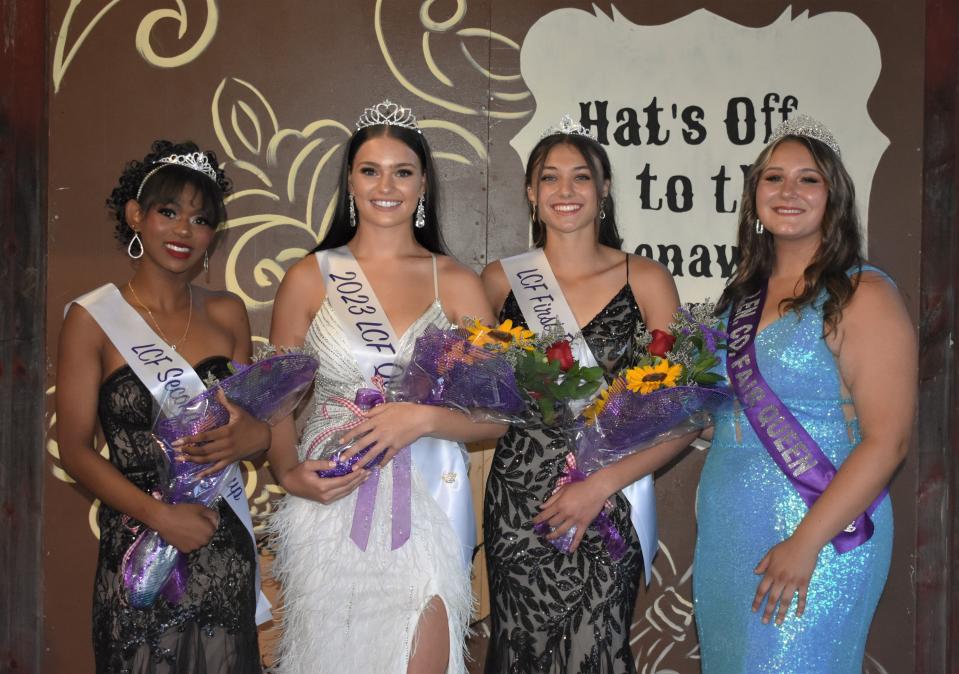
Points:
x=388 y=113
x=569 y=127
x=806 y=127
x=197 y=161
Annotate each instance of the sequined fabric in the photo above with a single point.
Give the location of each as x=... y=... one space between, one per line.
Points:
x=746 y=506
x=551 y=612
x=212 y=628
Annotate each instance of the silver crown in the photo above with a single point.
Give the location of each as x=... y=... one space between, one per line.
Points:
x=196 y=161
x=568 y=127
x=807 y=127
x=390 y=114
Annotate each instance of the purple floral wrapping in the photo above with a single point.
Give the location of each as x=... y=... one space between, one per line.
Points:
x=630 y=422
x=268 y=390
x=445 y=369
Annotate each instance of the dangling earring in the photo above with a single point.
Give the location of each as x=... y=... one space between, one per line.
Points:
x=759 y=226
x=206 y=262
x=136 y=237
x=602 y=209
x=421 y=213
x=532 y=212
x=352 y=212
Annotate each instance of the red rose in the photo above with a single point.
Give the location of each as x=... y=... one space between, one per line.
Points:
x=662 y=342
x=562 y=353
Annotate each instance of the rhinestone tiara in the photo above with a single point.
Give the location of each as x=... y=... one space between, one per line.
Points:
x=807 y=127
x=568 y=127
x=197 y=161
x=390 y=114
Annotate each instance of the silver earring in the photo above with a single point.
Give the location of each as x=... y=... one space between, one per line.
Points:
x=352 y=212
x=136 y=237
x=421 y=213
x=532 y=213
x=206 y=262
x=602 y=209
x=759 y=226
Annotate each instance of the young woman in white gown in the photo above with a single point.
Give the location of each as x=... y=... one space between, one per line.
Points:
x=393 y=607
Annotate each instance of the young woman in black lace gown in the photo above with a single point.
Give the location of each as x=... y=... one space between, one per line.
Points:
x=553 y=612
x=166 y=216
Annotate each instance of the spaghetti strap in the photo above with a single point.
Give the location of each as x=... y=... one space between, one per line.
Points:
x=436 y=283
x=627 y=268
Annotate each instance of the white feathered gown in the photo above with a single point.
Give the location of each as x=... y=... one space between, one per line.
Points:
x=345 y=610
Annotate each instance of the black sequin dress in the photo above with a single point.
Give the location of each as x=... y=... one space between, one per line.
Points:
x=212 y=629
x=551 y=612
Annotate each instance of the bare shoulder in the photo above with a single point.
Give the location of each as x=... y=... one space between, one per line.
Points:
x=496 y=284
x=647 y=271
x=654 y=290
x=305 y=273
x=81 y=328
x=494 y=276
x=461 y=291
x=455 y=273
x=446 y=264
x=875 y=298
x=303 y=284
x=650 y=279
x=223 y=308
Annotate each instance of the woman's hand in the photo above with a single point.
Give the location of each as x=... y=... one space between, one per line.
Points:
x=186 y=526
x=303 y=481
x=389 y=427
x=786 y=570
x=574 y=505
x=240 y=438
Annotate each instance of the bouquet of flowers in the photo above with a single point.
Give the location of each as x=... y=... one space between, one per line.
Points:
x=670 y=390
x=269 y=390
x=490 y=373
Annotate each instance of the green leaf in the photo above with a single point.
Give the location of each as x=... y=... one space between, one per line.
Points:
x=709 y=378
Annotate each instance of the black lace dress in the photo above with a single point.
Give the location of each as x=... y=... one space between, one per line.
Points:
x=551 y=612
x=212 y=629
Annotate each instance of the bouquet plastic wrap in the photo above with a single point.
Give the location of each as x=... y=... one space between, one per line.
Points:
x=268 y=390
x=673 y=388
x=498 y=374
x=447 y=369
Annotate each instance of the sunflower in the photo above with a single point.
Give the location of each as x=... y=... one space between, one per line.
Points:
x=458 y=353
x=595 y=407
x=648 y=378
x=502 y=337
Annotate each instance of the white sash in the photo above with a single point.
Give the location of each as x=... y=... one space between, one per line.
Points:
x=543 y=304
x=171 y=381
x=373 y=343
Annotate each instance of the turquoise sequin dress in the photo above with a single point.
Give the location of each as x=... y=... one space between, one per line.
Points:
x=746 y=505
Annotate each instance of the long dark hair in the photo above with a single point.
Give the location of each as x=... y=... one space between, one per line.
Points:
x=166 y=185
x=341 y=232
x=596 y=158
x=840 y=250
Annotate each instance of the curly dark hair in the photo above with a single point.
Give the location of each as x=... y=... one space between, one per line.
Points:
x=166 y=185
x=599 y=167
x=839 y=252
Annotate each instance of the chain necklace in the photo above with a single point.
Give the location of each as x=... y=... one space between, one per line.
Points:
x=189 y=316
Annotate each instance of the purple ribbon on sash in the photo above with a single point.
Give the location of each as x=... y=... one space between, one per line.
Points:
x=367 y=398
x=794 y=451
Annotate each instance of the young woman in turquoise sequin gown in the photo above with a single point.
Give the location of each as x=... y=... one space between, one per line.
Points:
x=836 y=345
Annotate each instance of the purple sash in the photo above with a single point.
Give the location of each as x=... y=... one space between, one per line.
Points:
x=796 y=454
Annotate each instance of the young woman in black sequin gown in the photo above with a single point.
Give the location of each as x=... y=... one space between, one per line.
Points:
x=173 y=211
x=553 y=612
